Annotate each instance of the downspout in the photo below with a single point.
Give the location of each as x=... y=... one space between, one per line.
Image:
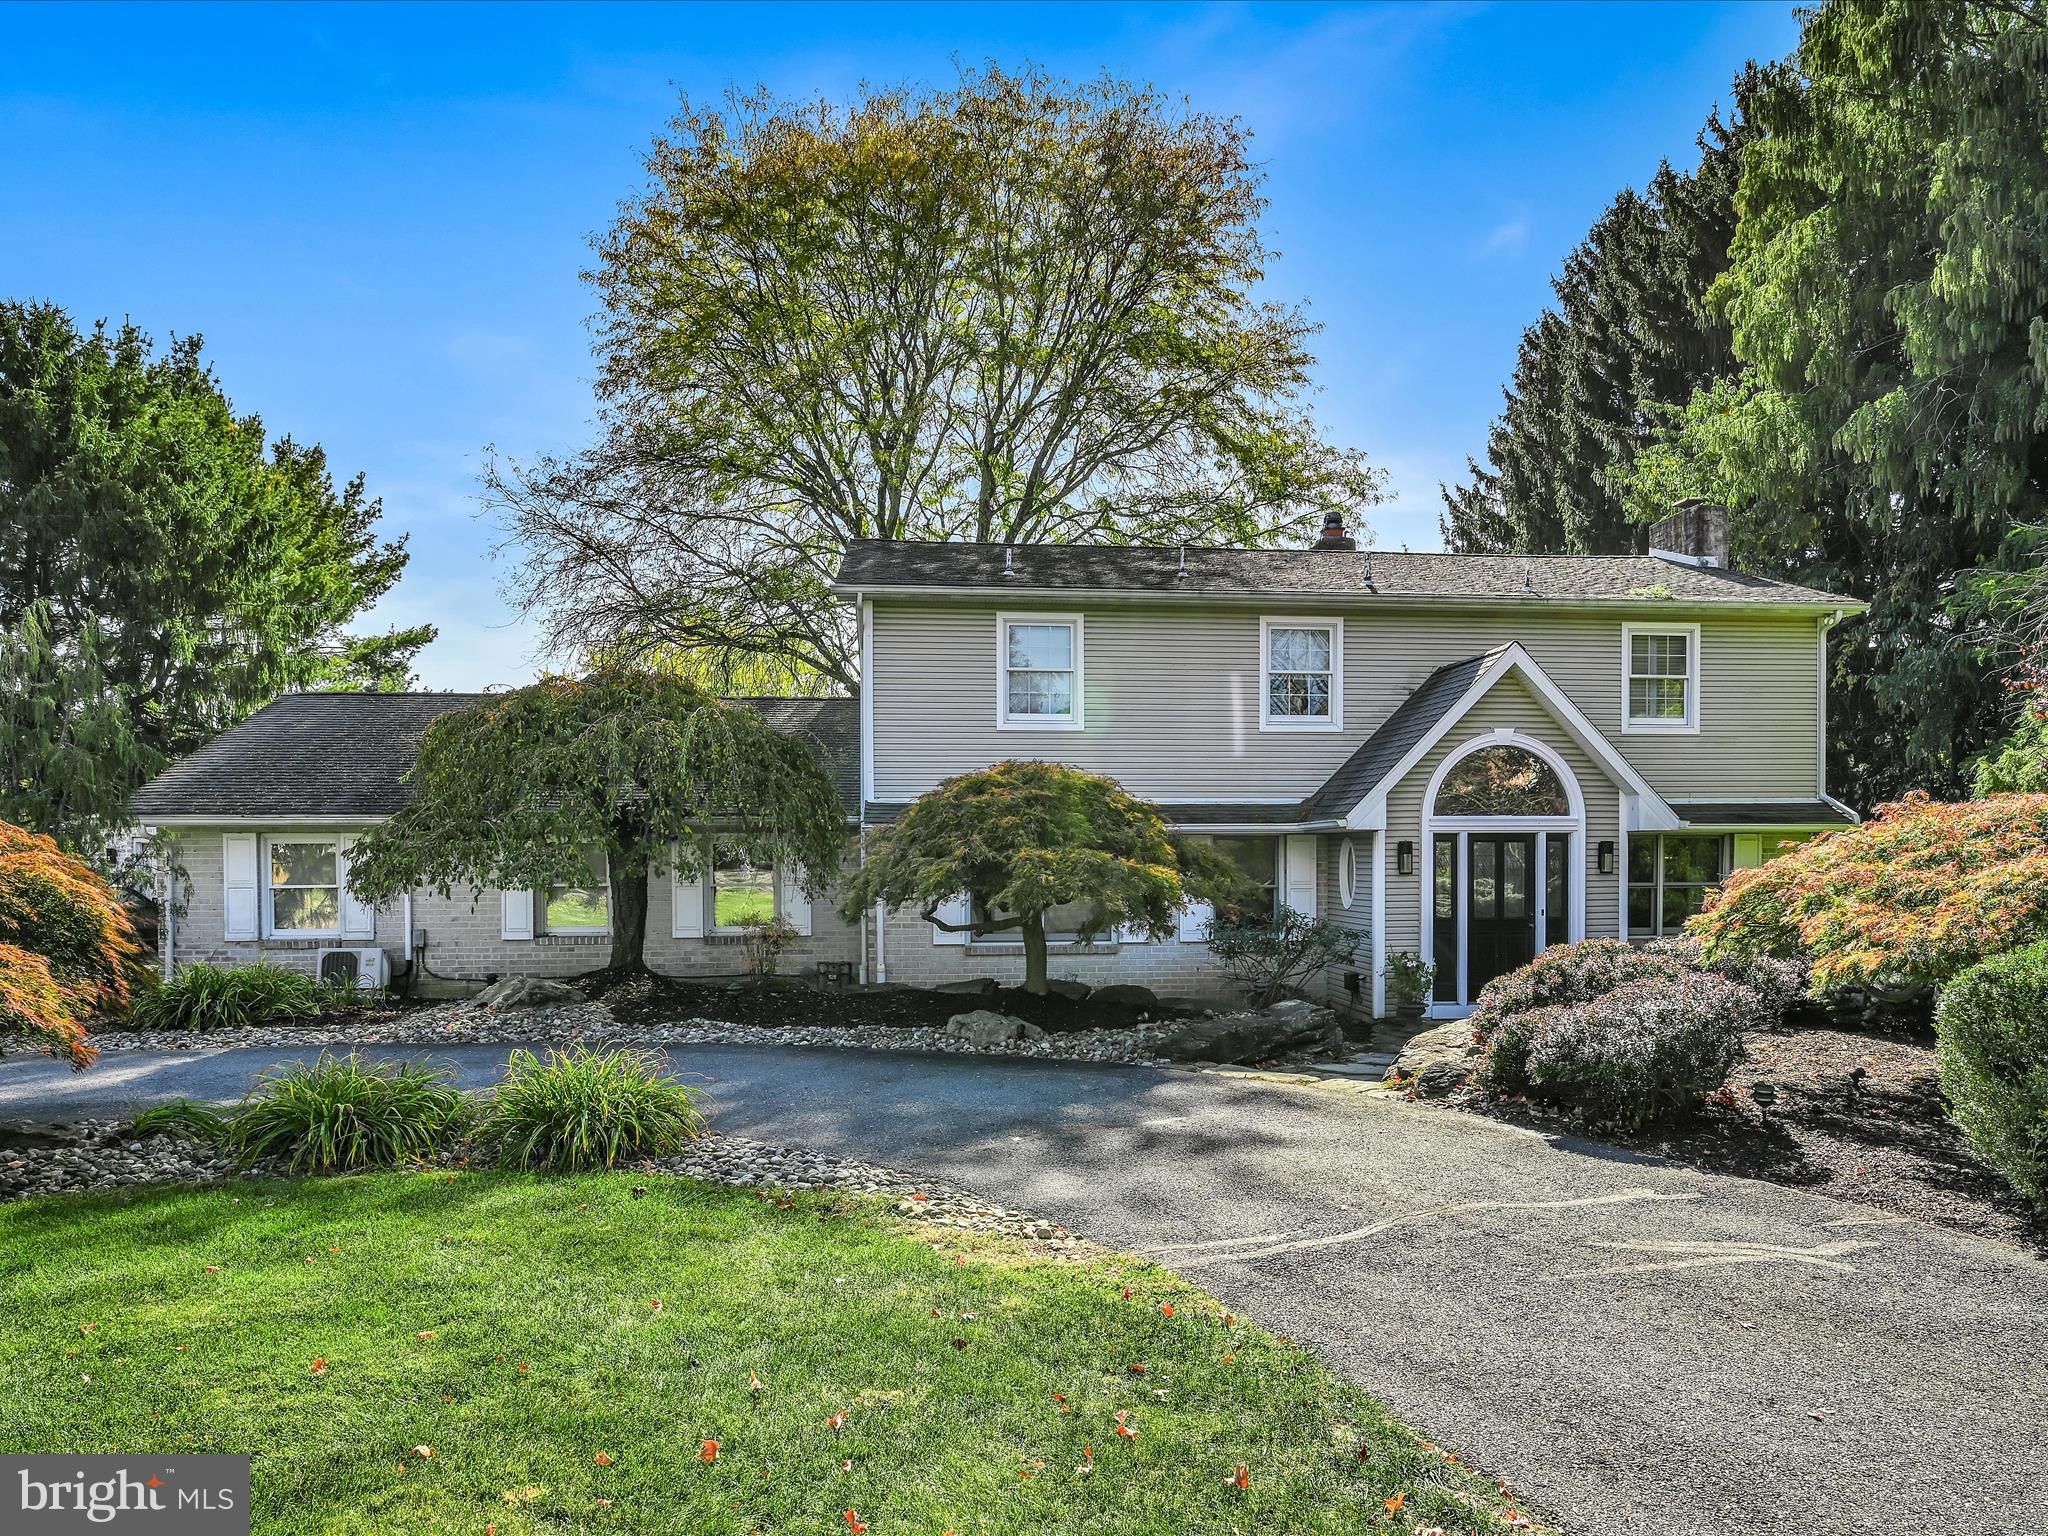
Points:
x=170 y=933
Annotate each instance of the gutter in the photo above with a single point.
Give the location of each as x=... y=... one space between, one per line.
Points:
x=1356 y=598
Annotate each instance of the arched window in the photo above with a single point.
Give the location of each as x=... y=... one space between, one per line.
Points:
x=1502 y=781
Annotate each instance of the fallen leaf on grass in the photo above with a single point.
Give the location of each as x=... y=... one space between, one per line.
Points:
x=655 y=1304
x=424 y=1334
x=837 y=1422
x=1060 y=1398
x=1394 y=1504
x=1166 y=1309
x=1241 y=1479
x=710 y=1452
x=87 y=1327
x=1123 y=1424
x=753 y=1383
x=603 y=1458
x=319 y=1364
x=855 y=1522
x=213 y=1269
x=1137 y=1370
x=423 y=1451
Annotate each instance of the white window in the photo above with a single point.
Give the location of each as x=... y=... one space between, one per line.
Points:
x=1303 y=684
x=304 y=894
x=1669 y=880
x=1660 y=677
x=1038 y=671
x=584 y=904
x=742 y=892
x=1347 y=873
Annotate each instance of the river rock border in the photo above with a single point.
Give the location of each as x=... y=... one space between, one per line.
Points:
x=593 y=1024
x=106 y=1154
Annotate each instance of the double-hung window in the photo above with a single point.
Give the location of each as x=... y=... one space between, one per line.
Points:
x=1038 y=671
x=1303 y=674
x=1660 y=677
x=583 y=904
x=742 y=892
x=304 y=894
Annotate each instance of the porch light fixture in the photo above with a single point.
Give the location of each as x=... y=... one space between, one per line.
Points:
x=1607 y=858
x=1404 y=858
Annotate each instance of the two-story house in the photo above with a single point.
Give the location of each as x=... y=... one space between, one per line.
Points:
x=1460 y=757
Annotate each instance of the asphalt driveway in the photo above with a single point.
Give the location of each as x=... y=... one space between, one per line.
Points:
x=1633 y=1346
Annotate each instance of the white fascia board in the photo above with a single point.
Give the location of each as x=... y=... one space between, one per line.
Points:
x=1261 y=596
x=281 y=822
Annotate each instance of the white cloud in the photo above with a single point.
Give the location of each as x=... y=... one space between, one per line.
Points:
x=1506 y=240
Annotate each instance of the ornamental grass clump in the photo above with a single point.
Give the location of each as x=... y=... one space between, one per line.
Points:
x=1993 y=1056
x=203 y=996
x=343 y=1113
x=185 y=1120
x=581 y=1109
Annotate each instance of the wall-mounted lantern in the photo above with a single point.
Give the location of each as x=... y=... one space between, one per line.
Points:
x=1404 y=858
x=1607 y=858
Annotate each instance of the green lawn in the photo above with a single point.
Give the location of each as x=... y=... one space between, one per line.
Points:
x=510 y=1324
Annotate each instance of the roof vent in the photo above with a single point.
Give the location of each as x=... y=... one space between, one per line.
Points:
x=1365 y=577
x=1333 y=535
x=1696 y=533
x=1528 y=579
x=1181 y=573
x=1009 y=567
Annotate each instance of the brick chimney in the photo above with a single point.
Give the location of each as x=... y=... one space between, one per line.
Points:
x=1333 y=535
x=1696 y=532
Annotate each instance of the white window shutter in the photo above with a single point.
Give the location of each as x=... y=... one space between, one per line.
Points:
x=1130 y=933
x=516 y=921
x=796 y=906
x=954 y=909
x=685 y=902
x=358 y=917
x=1195 y=918
x=239 y=873
x=1301 y=875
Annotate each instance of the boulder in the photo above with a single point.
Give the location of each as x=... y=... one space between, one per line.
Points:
x=1072 y=991
x=1125 y=994
x=973 y=986
x=1437 y=1061
x=527 y=992
x=982 y=1028
x=1286 y=1030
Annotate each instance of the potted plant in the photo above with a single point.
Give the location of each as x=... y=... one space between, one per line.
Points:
x=1408 y=978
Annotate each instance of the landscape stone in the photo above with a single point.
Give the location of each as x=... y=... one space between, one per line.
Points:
x=1073 y=991
x=973 y=986
x=1292 y=1030
x=1438 y=1061
x=526 y=992
x=982 y=1028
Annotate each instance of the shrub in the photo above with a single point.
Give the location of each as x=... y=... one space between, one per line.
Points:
x=1652 y=1047
x=67 y=947
x=1571 y=973
x=1993 y=1056
x=582 y=1109
x=1898 y=905
x=1778 y=984
x=341 y=1114
x=204 y=996
x=183 y=1118
x=766 y=939
x=1270 y=956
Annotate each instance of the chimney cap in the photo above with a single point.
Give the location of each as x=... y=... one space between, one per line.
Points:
x=1333 y=535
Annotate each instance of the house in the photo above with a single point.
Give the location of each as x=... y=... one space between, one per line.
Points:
x=1460 y=757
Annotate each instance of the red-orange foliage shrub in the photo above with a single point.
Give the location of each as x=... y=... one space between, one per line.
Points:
x=66 y=945
x=1910 y=898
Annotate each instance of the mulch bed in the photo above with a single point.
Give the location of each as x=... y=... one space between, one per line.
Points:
x=1890 y=1144
x=661 y=999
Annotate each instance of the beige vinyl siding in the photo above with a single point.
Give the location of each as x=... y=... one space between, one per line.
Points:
x=1510 y=705
x=1355 y=919
x=1172 y=695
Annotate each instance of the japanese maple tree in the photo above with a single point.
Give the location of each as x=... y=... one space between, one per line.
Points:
x=67 y=948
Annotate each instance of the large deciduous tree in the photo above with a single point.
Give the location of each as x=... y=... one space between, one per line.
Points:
x=1016 y=310
x=1020 y=839
x=514 y=791
x=163 y=571
x=1888 y=292
x=1630 y=338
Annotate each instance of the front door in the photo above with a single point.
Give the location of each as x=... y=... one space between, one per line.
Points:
x=1500 y=906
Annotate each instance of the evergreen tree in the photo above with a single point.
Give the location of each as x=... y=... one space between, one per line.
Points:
x=1629 y=338
x=1888 y=290
x=163 y=573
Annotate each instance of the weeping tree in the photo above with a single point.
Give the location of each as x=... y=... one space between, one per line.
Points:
x=1020 y=839
x=513 y=792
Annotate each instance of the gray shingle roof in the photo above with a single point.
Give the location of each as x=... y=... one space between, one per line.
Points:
x=346 y=754
x=1206 y=813
x=1762 y=813
x=871 y=563
x=1409 y=723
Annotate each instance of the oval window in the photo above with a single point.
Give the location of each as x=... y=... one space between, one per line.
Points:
x=1347 y=872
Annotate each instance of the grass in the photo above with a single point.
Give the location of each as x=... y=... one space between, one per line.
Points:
x=509 y=1323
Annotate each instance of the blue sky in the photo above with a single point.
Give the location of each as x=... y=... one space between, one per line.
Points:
x=377 y=216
